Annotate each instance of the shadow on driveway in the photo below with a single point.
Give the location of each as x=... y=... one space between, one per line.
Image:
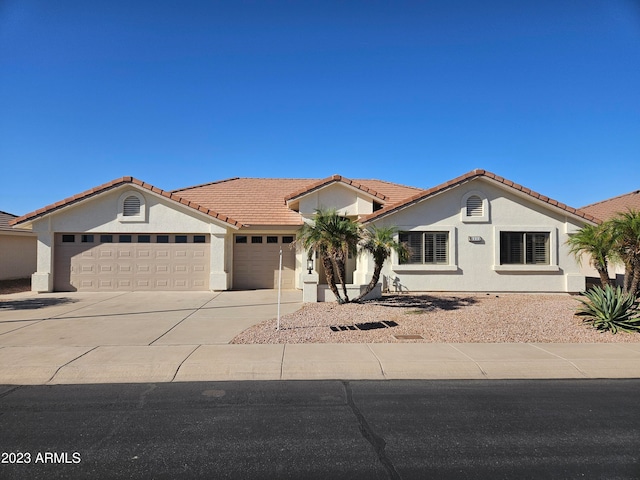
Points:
x=34 y=303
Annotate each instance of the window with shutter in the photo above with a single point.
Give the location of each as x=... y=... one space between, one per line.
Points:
x=427 y=248
x=524 y=248
x=131 y=206
x=474 y=206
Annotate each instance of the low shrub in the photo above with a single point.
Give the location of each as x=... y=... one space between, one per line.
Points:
x=610 y=309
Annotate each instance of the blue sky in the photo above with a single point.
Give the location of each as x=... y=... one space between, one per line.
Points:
x=544 y=93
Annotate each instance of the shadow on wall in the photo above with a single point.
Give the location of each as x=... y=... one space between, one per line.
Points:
x=34 y=303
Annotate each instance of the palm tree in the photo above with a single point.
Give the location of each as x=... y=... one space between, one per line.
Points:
x=596 y=241
x=345 y=235
x=333 y=237
x=380 y=242
x=626 y=234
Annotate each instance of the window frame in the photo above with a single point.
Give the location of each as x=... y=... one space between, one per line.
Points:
x=552 y=266
x=452 y=258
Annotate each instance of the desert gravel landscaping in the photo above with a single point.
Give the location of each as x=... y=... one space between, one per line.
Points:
x=437 y=318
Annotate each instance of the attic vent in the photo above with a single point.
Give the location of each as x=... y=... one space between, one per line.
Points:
x=474 y=206
x=131 y=206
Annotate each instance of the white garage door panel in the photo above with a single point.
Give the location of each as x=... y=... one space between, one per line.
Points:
x=95 y=265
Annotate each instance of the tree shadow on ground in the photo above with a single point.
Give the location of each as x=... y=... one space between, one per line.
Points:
x=423 y=303
x=34 y=303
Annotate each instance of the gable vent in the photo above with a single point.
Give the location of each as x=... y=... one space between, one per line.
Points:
x=131 y=206
x=474 y=206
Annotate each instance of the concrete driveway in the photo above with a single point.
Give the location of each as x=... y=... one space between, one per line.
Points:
x=79 y=337
x=176 y=337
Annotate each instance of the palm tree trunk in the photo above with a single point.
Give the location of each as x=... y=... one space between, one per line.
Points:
x=628 y=276
x=342 y=274
x=604 y=277
x=635 y=281
x=372 y=284
x=328 y=270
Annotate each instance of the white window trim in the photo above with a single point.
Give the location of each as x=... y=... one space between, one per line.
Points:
x=485 y=208
x=132 y=219
x=553 y=249
x=452 y=266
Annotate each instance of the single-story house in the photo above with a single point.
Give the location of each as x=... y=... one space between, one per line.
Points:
x=17 y=250
x=478 y=232
x=606 y=210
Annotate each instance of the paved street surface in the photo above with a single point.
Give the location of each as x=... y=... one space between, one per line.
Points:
x=323 y=429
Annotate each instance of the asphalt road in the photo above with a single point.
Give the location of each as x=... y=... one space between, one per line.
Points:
x=325 y=429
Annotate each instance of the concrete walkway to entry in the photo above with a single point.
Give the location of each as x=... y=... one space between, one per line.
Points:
x=71 y=338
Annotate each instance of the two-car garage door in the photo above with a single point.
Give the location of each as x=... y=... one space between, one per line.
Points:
x=96 y=262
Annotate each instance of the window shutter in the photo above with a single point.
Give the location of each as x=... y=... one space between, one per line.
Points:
x=414 y=242
x=474 y=206
x=429 y=248
x=131 y=206
x=537 y=249
x=441 y=248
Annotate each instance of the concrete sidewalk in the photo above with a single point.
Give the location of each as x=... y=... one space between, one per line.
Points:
x=35 y=365
x=174 y=337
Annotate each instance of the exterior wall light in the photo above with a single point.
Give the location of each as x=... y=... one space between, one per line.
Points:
x=309 y=265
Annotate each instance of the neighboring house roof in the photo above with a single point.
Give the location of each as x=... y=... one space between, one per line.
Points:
x=117 y=183
x=607 y=209
x=261 y=201
x=5 y=218
x=478 y=173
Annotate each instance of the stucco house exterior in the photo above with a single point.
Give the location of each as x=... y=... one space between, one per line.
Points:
x=17 y=250
x=478 y=232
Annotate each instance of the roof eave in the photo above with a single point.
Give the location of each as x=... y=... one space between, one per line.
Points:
x=488 y=176
x=69 y=202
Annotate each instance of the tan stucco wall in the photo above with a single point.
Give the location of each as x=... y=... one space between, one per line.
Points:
x=346 y=200
x=476 y=266
x=17 y=255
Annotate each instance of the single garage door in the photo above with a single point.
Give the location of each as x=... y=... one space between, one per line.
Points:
x=256 y=259
x=97 y=262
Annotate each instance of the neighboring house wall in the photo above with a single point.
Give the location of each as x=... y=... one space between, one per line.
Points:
x=606 y=210
x=17 y=255
x=616 y=271
x=475 y=265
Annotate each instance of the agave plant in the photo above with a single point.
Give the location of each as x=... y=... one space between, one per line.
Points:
x=610 y=309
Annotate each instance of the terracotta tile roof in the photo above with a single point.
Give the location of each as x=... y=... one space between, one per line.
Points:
x=116 y=183
x=607 y=209
x=261 y=201
x=253 y=201
x=468 y=177
x=334 y=178
x=243 y=202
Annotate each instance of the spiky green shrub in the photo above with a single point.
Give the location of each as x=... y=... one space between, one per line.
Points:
x=610 y=309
